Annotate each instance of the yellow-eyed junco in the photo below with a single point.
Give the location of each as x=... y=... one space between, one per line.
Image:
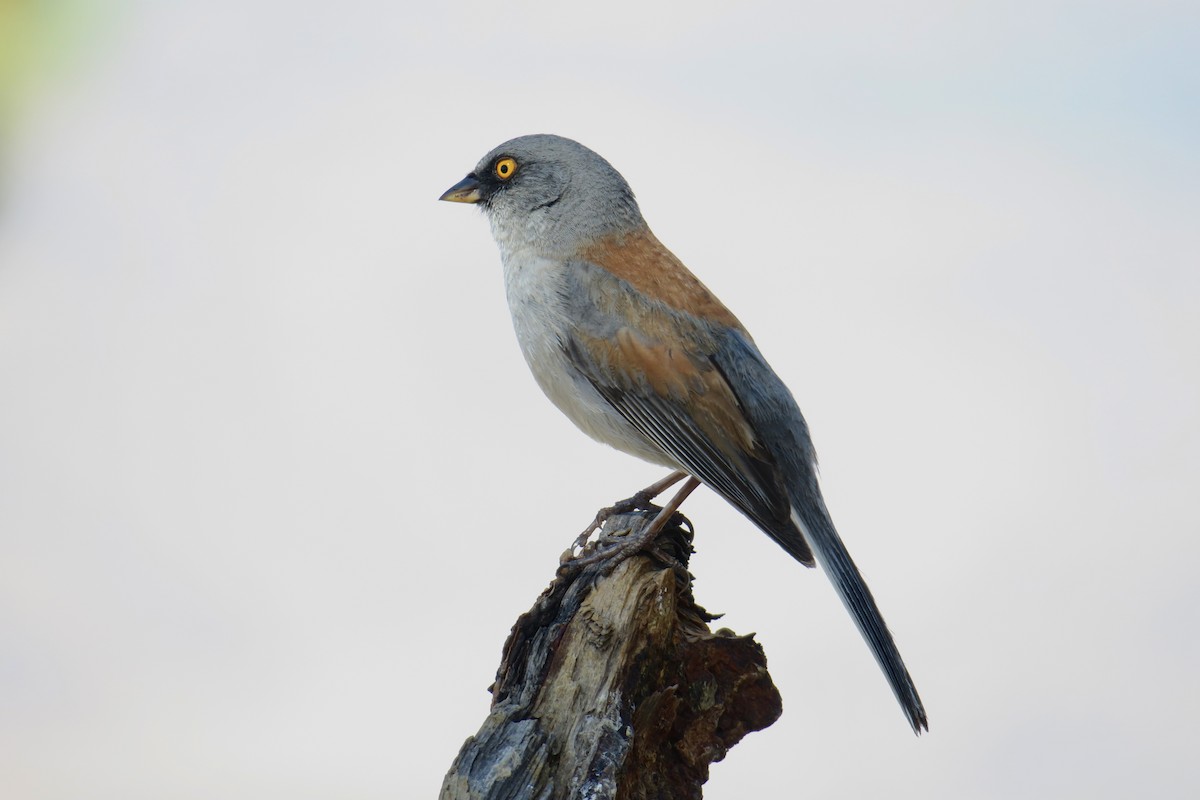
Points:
x=641 y=356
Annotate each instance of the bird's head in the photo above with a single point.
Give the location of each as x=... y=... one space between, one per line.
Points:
x=548 y=191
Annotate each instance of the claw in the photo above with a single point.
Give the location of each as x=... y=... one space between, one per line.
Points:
x=640 y=501
x=637 y=540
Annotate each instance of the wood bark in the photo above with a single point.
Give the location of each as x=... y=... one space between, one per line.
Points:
x=613 y=687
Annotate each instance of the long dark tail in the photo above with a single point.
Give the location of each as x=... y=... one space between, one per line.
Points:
x=831 y=554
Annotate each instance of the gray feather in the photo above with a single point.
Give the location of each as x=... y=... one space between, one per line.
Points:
x=774 y=414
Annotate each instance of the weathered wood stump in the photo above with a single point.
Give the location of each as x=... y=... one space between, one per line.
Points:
x=613 y=687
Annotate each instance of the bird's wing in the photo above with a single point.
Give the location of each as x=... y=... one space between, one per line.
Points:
x=660 y=372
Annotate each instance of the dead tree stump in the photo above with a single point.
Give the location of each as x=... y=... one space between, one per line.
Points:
x=612 y=687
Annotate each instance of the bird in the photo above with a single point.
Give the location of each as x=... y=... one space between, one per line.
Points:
x=640 y=355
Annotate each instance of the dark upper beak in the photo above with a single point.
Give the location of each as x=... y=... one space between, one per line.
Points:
x=468 y=190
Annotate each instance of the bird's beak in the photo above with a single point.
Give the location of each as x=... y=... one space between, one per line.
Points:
x=465 y=191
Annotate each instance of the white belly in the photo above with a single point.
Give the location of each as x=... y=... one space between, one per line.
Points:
x=534 y=285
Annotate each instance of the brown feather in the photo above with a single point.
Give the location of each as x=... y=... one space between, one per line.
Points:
x=669 y=370
x=639 y=258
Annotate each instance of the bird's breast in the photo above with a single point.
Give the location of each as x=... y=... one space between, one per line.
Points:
x=536 y=288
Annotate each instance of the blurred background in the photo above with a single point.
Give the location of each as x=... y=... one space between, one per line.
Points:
x=275 y=481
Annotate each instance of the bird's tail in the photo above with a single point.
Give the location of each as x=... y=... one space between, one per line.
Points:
x=831 y=554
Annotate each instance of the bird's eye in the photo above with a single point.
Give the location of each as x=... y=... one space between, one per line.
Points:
x=505 y=168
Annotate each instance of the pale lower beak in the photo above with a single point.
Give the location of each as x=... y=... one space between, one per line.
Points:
x=465 y=191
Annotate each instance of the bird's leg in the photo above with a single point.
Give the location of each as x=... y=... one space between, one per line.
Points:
x=667 y=511
x=640 y=500
x=634 y=543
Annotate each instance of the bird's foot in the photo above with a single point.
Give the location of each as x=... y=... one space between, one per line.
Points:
x=623 y=534
x=631 y=539
x=638 y=502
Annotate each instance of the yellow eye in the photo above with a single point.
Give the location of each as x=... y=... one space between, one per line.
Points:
x=505 y=168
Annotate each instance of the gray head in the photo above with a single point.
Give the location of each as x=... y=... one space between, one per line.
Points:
x=548 y=193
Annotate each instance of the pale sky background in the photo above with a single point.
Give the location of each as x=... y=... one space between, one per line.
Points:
x=275 y=481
